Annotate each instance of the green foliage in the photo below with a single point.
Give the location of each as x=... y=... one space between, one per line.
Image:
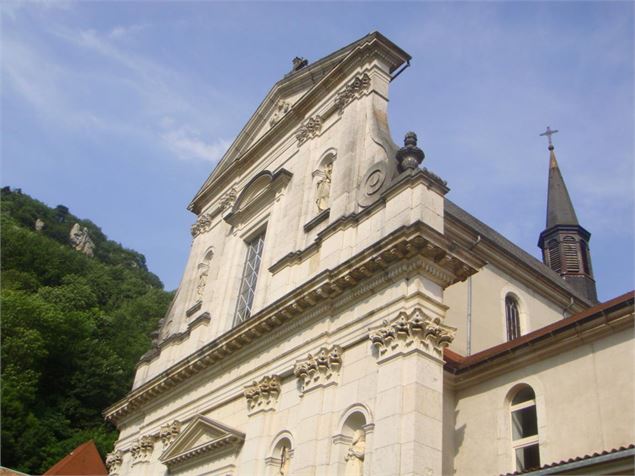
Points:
x=73 y=328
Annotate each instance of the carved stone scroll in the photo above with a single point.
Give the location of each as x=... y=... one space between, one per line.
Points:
x=319 y=370
x=113 y=462
x=309 y=129
x=203 y=224
x=410 y=331
x=352 y=91
x=169 y=432
x=262 y=395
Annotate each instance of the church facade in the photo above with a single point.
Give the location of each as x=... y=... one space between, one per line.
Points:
x=339 y=315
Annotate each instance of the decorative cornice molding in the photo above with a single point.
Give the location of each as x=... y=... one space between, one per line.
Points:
x=411 y=331
x=351 y=91
x=262 y=395
x=320 y=370
x=309 y=129
x=417 y=247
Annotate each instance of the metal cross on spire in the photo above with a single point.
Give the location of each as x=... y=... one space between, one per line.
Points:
x=549 y=132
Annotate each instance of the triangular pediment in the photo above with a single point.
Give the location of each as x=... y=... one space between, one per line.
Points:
x=283 y=105
x=202 y=436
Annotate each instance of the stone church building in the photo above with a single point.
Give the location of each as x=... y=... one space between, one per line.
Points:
x=340 y=315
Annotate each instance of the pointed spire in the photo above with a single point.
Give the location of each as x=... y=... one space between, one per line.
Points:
x=564 y=243
x=560 y=210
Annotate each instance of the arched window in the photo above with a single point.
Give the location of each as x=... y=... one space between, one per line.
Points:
x=524 y=423
x=512 y=317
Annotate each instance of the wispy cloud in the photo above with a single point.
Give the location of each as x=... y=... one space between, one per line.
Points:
x=186 y=143
x=122 y=91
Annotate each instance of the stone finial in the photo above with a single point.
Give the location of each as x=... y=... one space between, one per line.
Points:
x=409 y=156
x=299 y=63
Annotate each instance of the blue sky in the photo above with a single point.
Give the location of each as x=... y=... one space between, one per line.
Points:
x=120 y=110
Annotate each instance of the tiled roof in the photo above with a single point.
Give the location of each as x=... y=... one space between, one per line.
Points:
x=457 y=363
x=83 y=460
x=614 y=451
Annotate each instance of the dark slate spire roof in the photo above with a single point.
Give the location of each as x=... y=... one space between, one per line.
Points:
x=559 y=207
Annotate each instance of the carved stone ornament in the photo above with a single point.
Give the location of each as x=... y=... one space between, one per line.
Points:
x=410 y=331
x=352 y=91
x=409 y=156
x=113 y=462
x=141 y=449
x=228 y=199
x=319 y=370
x=202 y=225
x=262 y=395
x=309 y=130
x=282 y=107
x=169 y=432
x=375 y=181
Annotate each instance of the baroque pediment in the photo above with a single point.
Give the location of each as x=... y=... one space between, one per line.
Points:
x=287 y=103
x=203 y=436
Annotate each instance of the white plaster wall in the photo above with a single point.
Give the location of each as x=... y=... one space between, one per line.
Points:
x=489 y=288
x=584 y=404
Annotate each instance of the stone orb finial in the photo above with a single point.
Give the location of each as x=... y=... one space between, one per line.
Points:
x=409 y=156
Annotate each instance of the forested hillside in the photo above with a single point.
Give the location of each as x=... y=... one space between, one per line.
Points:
x=73 y=327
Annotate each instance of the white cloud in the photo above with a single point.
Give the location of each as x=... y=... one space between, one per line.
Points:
x=186 y=143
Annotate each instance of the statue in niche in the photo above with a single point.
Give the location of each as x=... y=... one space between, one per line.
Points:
x=355 y=455
x=202 y=281
x=324 y=188
x=285 y=461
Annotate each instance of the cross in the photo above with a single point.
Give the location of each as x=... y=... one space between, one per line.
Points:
x=549 y=133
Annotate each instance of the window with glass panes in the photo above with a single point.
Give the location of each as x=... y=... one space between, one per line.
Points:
x=249 y=279
x=512 y=317
x=525 y=430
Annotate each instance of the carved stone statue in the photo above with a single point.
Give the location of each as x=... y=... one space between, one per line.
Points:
x=285 y=461
x=355 y=456
x=324 y=188
x=81 y=240
x=39 y=224
x=202 y=281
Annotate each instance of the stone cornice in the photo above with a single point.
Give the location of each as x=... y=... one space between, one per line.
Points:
x=404 y=180
x=424 y=248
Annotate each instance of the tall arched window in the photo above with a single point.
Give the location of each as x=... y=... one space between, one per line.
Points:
x=524 y=423
x=512 y=317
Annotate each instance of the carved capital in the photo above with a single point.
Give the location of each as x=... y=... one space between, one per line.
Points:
x=410 y=331
x=169 y=432
x=263 y=394
x=319 y=370
x=141 y=449
x=352 y=91
x=309 y=129
x=113 y=462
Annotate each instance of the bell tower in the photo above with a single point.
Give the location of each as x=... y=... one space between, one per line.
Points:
x=564 y=243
